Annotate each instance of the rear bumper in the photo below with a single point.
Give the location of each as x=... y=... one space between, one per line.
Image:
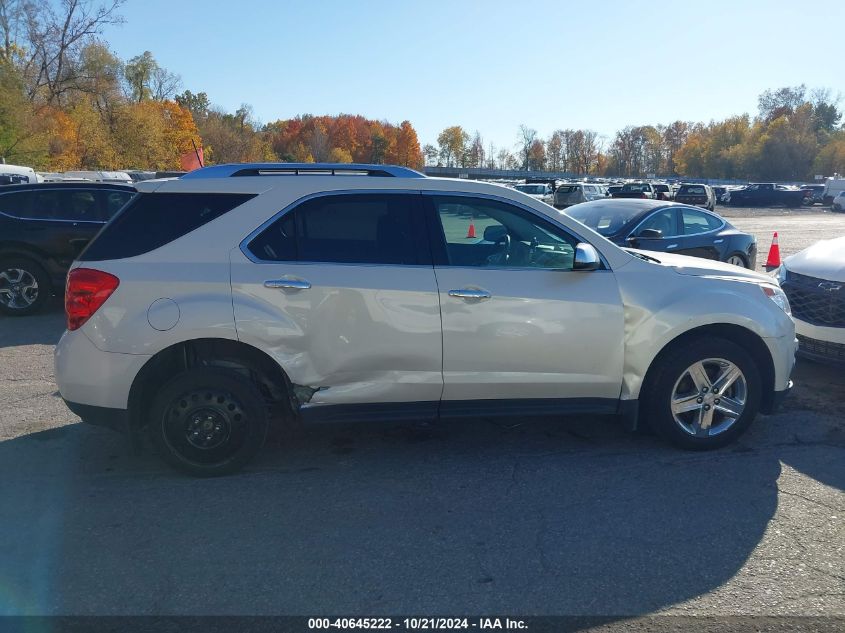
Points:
x=90 y=376
x=114 y=419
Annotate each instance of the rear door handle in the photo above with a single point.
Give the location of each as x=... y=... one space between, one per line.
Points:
x=470 y=293
x=671 y=246
x=718 y=241
x=289 y=284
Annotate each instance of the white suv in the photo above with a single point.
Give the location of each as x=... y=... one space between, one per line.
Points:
x=243 y=295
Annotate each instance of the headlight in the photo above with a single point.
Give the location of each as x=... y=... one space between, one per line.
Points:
x=780 y=274
x=778 y=296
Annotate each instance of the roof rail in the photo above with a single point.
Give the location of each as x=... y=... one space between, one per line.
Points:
x=296 y=169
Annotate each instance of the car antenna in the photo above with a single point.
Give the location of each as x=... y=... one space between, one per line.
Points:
x=197 y=152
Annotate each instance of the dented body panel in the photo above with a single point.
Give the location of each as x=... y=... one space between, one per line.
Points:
x=663 y=301
x=360 y=334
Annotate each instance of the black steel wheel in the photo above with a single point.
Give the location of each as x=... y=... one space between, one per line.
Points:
x=208 y=421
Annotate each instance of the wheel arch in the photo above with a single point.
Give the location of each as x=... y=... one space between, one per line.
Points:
x=748 y=340
x=258 y=366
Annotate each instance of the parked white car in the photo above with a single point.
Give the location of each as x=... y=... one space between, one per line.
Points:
x=243 y=295
x=17 y=174
x=833 y=188
x=814 y=281
x=838 y=203
x=99 y=176
x=540 y=191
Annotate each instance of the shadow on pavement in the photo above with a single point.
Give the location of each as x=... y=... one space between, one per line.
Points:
x=541 y=517
x=44 y=328
x=520 y=517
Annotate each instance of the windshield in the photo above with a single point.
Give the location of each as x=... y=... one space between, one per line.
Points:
x=692 y=191
x=531 y=189
x=636 y=186
x=602 y=219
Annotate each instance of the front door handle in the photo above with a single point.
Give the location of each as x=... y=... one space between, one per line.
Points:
x=671 y=246
x=718 y=241
x=288 y=284
x=470 y=293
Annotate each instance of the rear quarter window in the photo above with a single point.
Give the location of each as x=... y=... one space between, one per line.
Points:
x=152 y=220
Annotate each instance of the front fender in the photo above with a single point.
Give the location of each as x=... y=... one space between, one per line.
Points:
x=656 y=316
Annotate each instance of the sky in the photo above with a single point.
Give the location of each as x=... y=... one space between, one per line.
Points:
x=491 y=66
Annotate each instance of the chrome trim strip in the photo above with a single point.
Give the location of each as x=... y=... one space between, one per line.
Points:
x=15 y=217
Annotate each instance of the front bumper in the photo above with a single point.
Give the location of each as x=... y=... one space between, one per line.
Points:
x=777 y=399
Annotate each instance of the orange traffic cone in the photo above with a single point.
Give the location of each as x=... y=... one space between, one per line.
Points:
x=773 y=260
x=471 y=231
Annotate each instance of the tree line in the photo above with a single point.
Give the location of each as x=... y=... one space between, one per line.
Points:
x=68 y=102
x=795 y=135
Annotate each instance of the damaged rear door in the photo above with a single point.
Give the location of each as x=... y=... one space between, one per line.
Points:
x=341 y=292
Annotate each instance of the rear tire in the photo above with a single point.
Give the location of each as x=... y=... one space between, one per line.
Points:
x=208 y=422
x=24 y=286
x=737 y=260
x=681 y=404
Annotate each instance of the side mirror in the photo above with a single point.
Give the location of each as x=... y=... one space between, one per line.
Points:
x=586 y=258
x=650 y=234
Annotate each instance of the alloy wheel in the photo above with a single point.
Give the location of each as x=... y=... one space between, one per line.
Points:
x=709 y=397
x=18 y=288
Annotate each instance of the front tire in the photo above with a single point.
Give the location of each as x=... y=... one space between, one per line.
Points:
x=208 y=422
x=24 y=286
x=704 y=394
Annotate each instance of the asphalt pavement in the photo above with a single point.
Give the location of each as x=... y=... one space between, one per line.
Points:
x=519 y=516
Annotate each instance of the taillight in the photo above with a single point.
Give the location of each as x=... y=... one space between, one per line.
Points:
x=642 y=195
x=86 y=290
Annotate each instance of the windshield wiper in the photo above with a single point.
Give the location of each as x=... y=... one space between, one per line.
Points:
x=642 y=256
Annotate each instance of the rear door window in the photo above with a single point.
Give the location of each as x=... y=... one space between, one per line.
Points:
x=348 y=229
x=48 y=204
x=663 y=220
x=695 y=222
x=152 y=220
x=82 y=206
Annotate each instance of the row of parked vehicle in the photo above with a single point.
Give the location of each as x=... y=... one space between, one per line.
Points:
x=565 y=194
x=208 y=307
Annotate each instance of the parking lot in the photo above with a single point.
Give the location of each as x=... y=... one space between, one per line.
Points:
x=541 y=516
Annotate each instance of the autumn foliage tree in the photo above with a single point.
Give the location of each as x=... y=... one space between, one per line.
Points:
x=344 y=138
